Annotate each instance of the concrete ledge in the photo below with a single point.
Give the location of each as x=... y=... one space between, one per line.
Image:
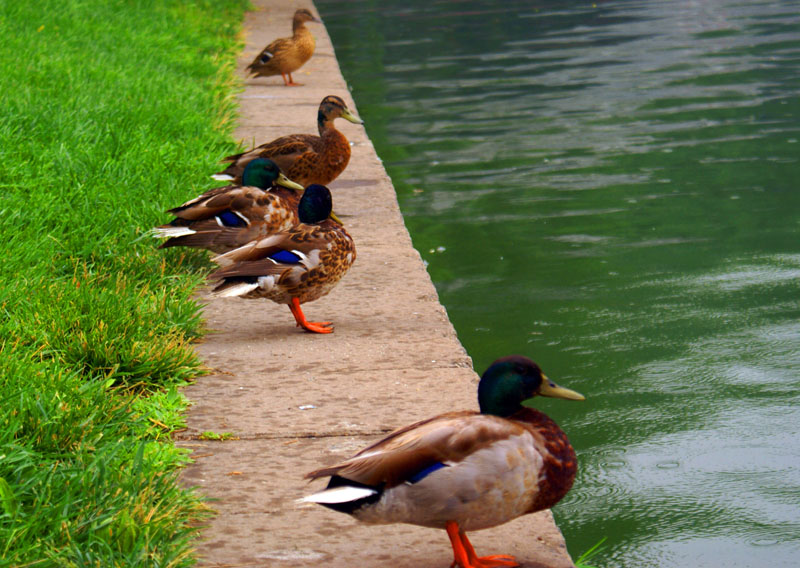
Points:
x=298 y=401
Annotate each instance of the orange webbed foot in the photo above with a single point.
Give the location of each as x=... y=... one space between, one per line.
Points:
x=494 y=561
x=317 y=326
x=464 y=554
x=312 y=326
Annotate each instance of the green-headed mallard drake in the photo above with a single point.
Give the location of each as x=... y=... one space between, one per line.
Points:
x=463 y=471
x=225 y=218
x=304 y=158
x=295 y=266
x=287 y=54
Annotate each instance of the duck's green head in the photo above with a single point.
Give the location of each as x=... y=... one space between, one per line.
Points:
x=316 y=205
x=265 y=173
x=511 y=381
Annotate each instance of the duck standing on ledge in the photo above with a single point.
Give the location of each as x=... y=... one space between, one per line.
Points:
x=287 y=54
x=225 y=218
x=304 y=158
x=463 y=471
x=295 y=266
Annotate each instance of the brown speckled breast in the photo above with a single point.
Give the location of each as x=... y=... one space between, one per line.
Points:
x=560 y=463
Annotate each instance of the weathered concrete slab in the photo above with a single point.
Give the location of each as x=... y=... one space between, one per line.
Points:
x=310 y=402
x=298 y=401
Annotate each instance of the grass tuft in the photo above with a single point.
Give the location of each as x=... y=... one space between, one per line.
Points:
x=218 y=436
x=589 y=554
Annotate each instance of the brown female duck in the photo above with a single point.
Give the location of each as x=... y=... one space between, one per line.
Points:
x=463 y=471
x=286 y=55
x=304 y=158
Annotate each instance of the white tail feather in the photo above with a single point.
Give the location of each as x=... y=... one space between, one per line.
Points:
x=342 y=494
x=223 y=177
x=168 y=232
x=236 y=290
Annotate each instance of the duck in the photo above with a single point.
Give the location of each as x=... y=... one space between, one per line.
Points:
x=465 y=470
x=287 y=54
x=225 y=218
x=295 y=266
x=305 y=158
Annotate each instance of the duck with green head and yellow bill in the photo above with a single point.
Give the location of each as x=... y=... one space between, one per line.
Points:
x=305 y=158
x=295 y=266
x=225 y=218
x=287 y=54
x=463 y=471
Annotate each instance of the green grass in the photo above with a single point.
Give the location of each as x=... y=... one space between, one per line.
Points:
x=589 y=554
x=218 y=436
x=112 y=112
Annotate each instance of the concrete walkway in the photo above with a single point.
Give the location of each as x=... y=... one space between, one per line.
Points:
x=298 y=401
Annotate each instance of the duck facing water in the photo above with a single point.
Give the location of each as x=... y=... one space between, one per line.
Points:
x=286 y=55
x=463 y=471
x=304 y=158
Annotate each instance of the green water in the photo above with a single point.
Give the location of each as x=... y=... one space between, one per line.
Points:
x=614 y=191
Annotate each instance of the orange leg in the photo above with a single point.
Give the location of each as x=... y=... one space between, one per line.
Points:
x=315 y=326
x=464 y=555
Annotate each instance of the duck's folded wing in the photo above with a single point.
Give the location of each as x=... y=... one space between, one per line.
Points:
x=290 y=145
x=410 y=453
x=283 y=151
x=296 y=247
x=219 y=199
x=207 y=234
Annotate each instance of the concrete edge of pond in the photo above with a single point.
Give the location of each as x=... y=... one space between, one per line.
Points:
x=295 y=401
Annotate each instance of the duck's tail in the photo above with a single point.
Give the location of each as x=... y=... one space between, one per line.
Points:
x=170 y=231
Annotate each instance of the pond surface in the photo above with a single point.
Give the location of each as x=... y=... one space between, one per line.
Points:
x=613 y=189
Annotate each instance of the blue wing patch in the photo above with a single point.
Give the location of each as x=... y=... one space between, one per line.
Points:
x=285 y=257
x=230 y=219
x=423 y=473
